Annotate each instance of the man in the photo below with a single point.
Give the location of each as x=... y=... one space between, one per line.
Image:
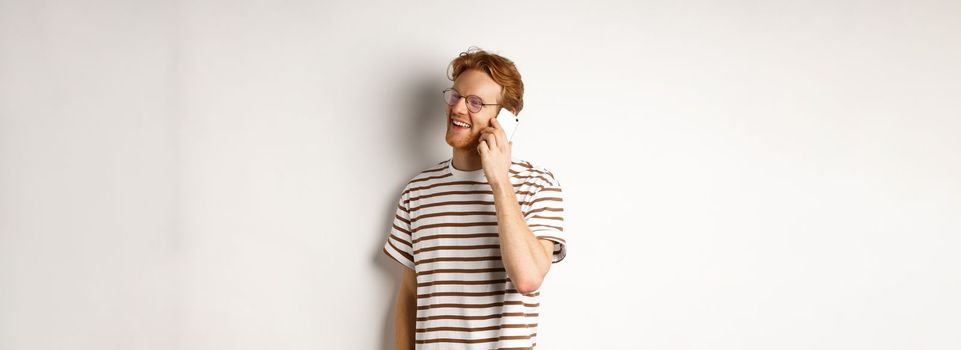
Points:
x=478 y=232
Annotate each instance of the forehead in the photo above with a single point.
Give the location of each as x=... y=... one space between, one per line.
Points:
x=475 y=82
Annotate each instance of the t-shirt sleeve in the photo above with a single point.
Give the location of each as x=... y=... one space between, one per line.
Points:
x=399 y=244
x=545 y=215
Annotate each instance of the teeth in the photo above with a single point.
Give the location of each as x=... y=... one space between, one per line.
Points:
x=461 y=124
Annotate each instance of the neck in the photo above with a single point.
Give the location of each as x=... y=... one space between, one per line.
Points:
x=466 y=160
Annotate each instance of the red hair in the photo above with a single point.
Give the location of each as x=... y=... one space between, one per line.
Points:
x=500 y=69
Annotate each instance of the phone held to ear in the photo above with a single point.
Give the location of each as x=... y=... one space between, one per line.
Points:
x=508 y=121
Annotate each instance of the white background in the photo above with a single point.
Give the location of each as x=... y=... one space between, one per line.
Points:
x=738 y=174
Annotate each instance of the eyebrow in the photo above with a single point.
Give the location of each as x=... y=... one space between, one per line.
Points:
x=484 y=100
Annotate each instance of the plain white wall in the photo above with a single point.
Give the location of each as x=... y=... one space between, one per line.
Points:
x=739 y=174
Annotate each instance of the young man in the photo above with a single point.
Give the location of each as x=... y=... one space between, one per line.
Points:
x=478 y=232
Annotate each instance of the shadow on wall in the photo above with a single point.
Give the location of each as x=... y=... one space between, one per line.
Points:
x=422 y=115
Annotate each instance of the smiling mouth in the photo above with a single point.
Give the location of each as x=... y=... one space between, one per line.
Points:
x=459 y=125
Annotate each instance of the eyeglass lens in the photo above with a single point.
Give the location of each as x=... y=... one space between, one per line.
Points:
x=474 y=103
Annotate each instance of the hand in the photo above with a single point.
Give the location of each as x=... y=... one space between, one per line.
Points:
x=495 y=152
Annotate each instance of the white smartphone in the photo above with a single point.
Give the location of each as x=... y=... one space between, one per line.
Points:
x=508 y=121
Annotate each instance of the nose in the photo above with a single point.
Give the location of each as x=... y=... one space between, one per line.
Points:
x=460 y=108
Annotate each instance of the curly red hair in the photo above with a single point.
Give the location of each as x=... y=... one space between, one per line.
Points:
x=500 y=69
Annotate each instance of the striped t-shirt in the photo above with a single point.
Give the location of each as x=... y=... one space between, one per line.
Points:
x=445 y=228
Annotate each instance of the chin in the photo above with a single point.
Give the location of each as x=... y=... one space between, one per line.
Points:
x=458 y=143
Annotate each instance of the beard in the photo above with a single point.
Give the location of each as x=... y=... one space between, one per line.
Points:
x=461 y=139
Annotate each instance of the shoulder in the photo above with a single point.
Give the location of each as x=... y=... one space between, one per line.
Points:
x=434 y=171
x=533 y=172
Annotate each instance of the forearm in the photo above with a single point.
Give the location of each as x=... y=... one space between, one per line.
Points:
x=405 y=319
x=523 y=255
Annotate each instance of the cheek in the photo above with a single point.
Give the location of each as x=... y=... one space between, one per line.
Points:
x=480 y=123
x=484 y=124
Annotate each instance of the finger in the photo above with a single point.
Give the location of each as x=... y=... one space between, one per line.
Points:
x=498 y=134
x=491 y=141
x=482 y=148
x=501 y=137
x=495 y=123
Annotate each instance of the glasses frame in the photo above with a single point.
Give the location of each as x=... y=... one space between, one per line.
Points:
x=468 y=105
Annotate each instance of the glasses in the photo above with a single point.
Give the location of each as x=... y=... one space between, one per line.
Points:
x=474 y=103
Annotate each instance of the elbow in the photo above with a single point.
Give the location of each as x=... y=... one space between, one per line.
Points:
x=528 y=285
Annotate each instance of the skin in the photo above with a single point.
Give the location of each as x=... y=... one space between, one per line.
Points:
x=526 y=258
x=405 y=311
